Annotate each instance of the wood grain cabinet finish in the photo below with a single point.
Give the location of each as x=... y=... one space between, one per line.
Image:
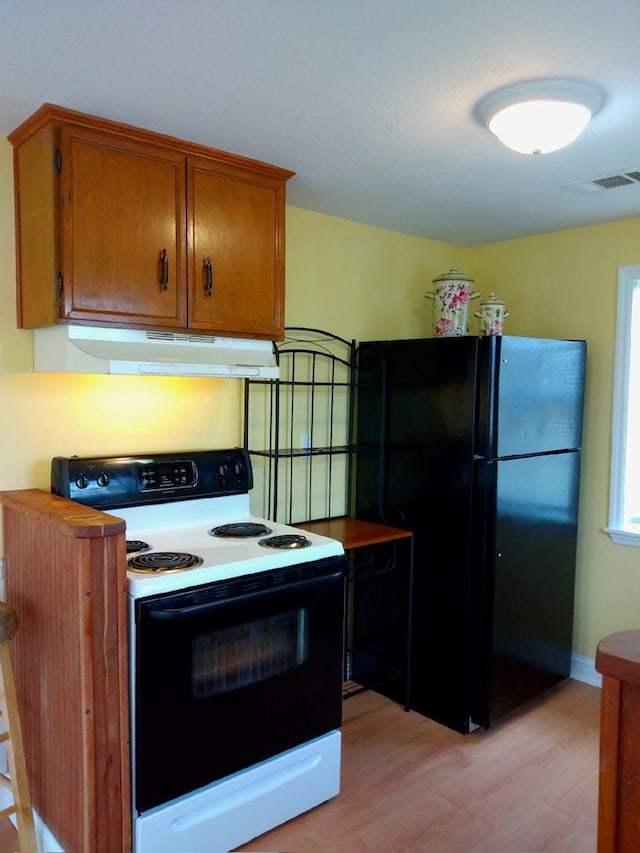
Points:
x=618 y=659
x=120 y=226
x=65 y=575
x=234 y=224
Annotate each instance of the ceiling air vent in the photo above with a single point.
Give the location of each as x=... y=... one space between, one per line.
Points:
x=613 y=181
x=607 y=182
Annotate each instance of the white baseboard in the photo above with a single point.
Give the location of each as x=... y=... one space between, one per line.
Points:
x=584 y=669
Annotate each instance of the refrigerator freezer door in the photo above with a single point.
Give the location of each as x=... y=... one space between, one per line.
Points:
x=530 y=395
x=416 y=410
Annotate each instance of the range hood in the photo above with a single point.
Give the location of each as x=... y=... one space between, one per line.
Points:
x=93 y=349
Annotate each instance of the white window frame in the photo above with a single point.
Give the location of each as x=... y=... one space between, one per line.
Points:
x=618 y=529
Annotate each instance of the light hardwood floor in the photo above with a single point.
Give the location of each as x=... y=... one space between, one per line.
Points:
x=408 y=784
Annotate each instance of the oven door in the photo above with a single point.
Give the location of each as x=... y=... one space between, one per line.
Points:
x=233 y=673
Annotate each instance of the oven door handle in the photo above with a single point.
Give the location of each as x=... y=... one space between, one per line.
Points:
x=174 y=613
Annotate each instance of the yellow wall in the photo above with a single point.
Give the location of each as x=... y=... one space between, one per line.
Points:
x=365 y=283
x=565 y=285
x=359 y=282
x=45 y=415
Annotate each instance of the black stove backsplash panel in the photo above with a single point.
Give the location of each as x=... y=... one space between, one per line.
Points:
x=109 y=482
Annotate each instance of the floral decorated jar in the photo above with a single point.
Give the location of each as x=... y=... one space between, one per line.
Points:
x=453 y=293
x=491 y=316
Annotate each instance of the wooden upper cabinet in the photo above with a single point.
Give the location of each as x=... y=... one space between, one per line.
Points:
x=123 y=244
x=235 y=224
x=121 y=226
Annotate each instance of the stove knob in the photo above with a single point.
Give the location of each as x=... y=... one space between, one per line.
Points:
x=103 y=479
x=82 y=482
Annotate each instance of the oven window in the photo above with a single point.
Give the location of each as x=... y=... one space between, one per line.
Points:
x=241 y=655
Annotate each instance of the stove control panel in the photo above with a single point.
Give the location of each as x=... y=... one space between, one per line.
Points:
x=180 y=474
x=108 y=482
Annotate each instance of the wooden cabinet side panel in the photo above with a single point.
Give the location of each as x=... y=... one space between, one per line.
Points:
x=608 y=774
x=236 y=219
x=70 y=661
x=109 y=773
x=36 y=208
x=628 y=820
x=41 y=582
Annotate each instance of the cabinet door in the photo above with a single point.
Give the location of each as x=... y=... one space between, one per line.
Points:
x=236 y=251
x=123 y=206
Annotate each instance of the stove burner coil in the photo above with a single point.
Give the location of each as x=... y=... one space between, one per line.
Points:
x=240 y=530
x=134 y=545
x=164 y=561
x=285 y=541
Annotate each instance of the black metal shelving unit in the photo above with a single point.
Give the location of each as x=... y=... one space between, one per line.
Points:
x=379 y=605
x=299 y=428
x=299 y=431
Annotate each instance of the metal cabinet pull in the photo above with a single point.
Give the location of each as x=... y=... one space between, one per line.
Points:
x=208 y=270
x=164 y=264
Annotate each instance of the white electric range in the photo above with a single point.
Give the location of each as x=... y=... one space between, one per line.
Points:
x=235 y=648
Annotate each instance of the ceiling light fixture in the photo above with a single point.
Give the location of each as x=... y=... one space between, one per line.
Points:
x=540 y=115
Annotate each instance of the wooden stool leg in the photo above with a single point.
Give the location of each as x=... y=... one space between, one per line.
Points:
x=18 y=781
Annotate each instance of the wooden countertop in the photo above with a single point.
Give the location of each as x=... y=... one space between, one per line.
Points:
x=70 y=518
x=355 y=533
x=618 y=656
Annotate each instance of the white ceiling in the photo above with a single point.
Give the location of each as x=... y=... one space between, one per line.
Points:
x=369 y=101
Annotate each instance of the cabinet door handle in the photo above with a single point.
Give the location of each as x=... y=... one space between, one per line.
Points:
x=208 y=276
x=164 y=275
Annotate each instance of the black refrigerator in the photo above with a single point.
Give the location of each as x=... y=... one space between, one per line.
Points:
x=473 y=443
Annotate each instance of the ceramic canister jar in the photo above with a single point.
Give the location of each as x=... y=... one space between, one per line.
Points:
x=453 y=293
x=491 y=316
